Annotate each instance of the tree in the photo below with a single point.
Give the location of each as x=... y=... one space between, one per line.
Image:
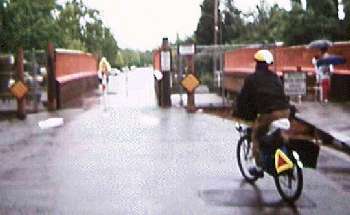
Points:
x=28 y=24
x=346 y=21
x=266 y=25
x=120 y=60
x=204 y=34
x=233 y=28
x=109 y=46
x=83 y=29
x=327 y=8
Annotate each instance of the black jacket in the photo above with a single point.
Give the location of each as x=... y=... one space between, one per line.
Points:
x=262 y=92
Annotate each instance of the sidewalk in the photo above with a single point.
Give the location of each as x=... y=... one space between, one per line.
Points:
x=332 y=119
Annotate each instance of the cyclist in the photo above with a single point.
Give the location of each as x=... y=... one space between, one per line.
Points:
x=262 y=100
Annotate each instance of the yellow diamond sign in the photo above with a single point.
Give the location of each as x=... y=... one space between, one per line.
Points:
x=190 y=82
x=19 y=90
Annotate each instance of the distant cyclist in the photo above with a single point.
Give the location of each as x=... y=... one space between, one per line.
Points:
x=103 y=74
x=262 y=100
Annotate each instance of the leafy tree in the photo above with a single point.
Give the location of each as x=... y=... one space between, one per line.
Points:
x=346 y=21
x=204 y=34
x=233 y=27
x=109 y=46
x=120 y=60
x=27 y=24
x=83 y=29
x=327 y=8
x=69 y=22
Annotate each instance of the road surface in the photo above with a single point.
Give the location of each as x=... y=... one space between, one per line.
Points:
x=124 y=156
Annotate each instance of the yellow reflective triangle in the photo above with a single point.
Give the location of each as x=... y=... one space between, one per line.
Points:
x=282 y=162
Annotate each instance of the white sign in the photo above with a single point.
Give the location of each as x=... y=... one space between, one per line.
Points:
x=294 y=83
x=187 y=50
x=165 y=61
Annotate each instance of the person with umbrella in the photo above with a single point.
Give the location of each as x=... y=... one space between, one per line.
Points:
x=325 y=72
x=324 y=66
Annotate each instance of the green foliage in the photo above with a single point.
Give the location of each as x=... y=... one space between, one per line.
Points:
x=120 y=60
x=268 y=24
x=233 y=24
x=128 y=57
x=204 y=33
x=34 y=23
x=27 y=24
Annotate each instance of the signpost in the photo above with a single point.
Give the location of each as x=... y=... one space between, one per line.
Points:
x=190 y=82
x=295 y=84
x=187 y=50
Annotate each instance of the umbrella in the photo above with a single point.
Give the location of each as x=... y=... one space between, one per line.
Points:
x=319 y=44
x=331 y=59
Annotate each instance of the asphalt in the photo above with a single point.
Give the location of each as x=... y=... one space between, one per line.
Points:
x=124 y=155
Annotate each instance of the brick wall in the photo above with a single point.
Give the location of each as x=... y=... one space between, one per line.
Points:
x=241 y=62
x=72 y=63
x=76 y=74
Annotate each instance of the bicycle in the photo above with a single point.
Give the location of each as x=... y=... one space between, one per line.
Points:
x=278 y=158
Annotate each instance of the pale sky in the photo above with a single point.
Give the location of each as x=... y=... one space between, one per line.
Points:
x=141 y=24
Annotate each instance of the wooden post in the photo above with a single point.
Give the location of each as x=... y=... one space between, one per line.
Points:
x=165 y=82
x=51 y=88
x=21 y=103
x=191 y=107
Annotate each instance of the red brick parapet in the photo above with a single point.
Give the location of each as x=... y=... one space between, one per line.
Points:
x=76 y=74
x=286 y=59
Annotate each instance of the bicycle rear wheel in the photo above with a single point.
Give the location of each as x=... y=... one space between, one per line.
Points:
x=245 y=158
x=290 y=184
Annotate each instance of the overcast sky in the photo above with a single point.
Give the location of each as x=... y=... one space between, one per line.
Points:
x=141 y=24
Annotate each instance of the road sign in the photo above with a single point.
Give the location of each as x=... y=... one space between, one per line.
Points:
x=190 y=83
x=19 y=90
x=187 y=49
x=165 y=61
x=294 y=83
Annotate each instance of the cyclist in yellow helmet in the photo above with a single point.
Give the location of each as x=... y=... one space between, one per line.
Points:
x=262 y=100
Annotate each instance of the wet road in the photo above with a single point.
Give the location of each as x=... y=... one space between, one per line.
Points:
x=126 y=156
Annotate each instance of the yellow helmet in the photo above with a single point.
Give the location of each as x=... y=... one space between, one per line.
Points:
x=264 y=56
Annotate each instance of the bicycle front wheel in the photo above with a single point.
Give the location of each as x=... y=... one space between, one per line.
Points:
x=245 y=158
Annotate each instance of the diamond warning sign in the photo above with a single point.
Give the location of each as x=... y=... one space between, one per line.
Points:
x=19 y=90
x=190 y=83
x=282 y=162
